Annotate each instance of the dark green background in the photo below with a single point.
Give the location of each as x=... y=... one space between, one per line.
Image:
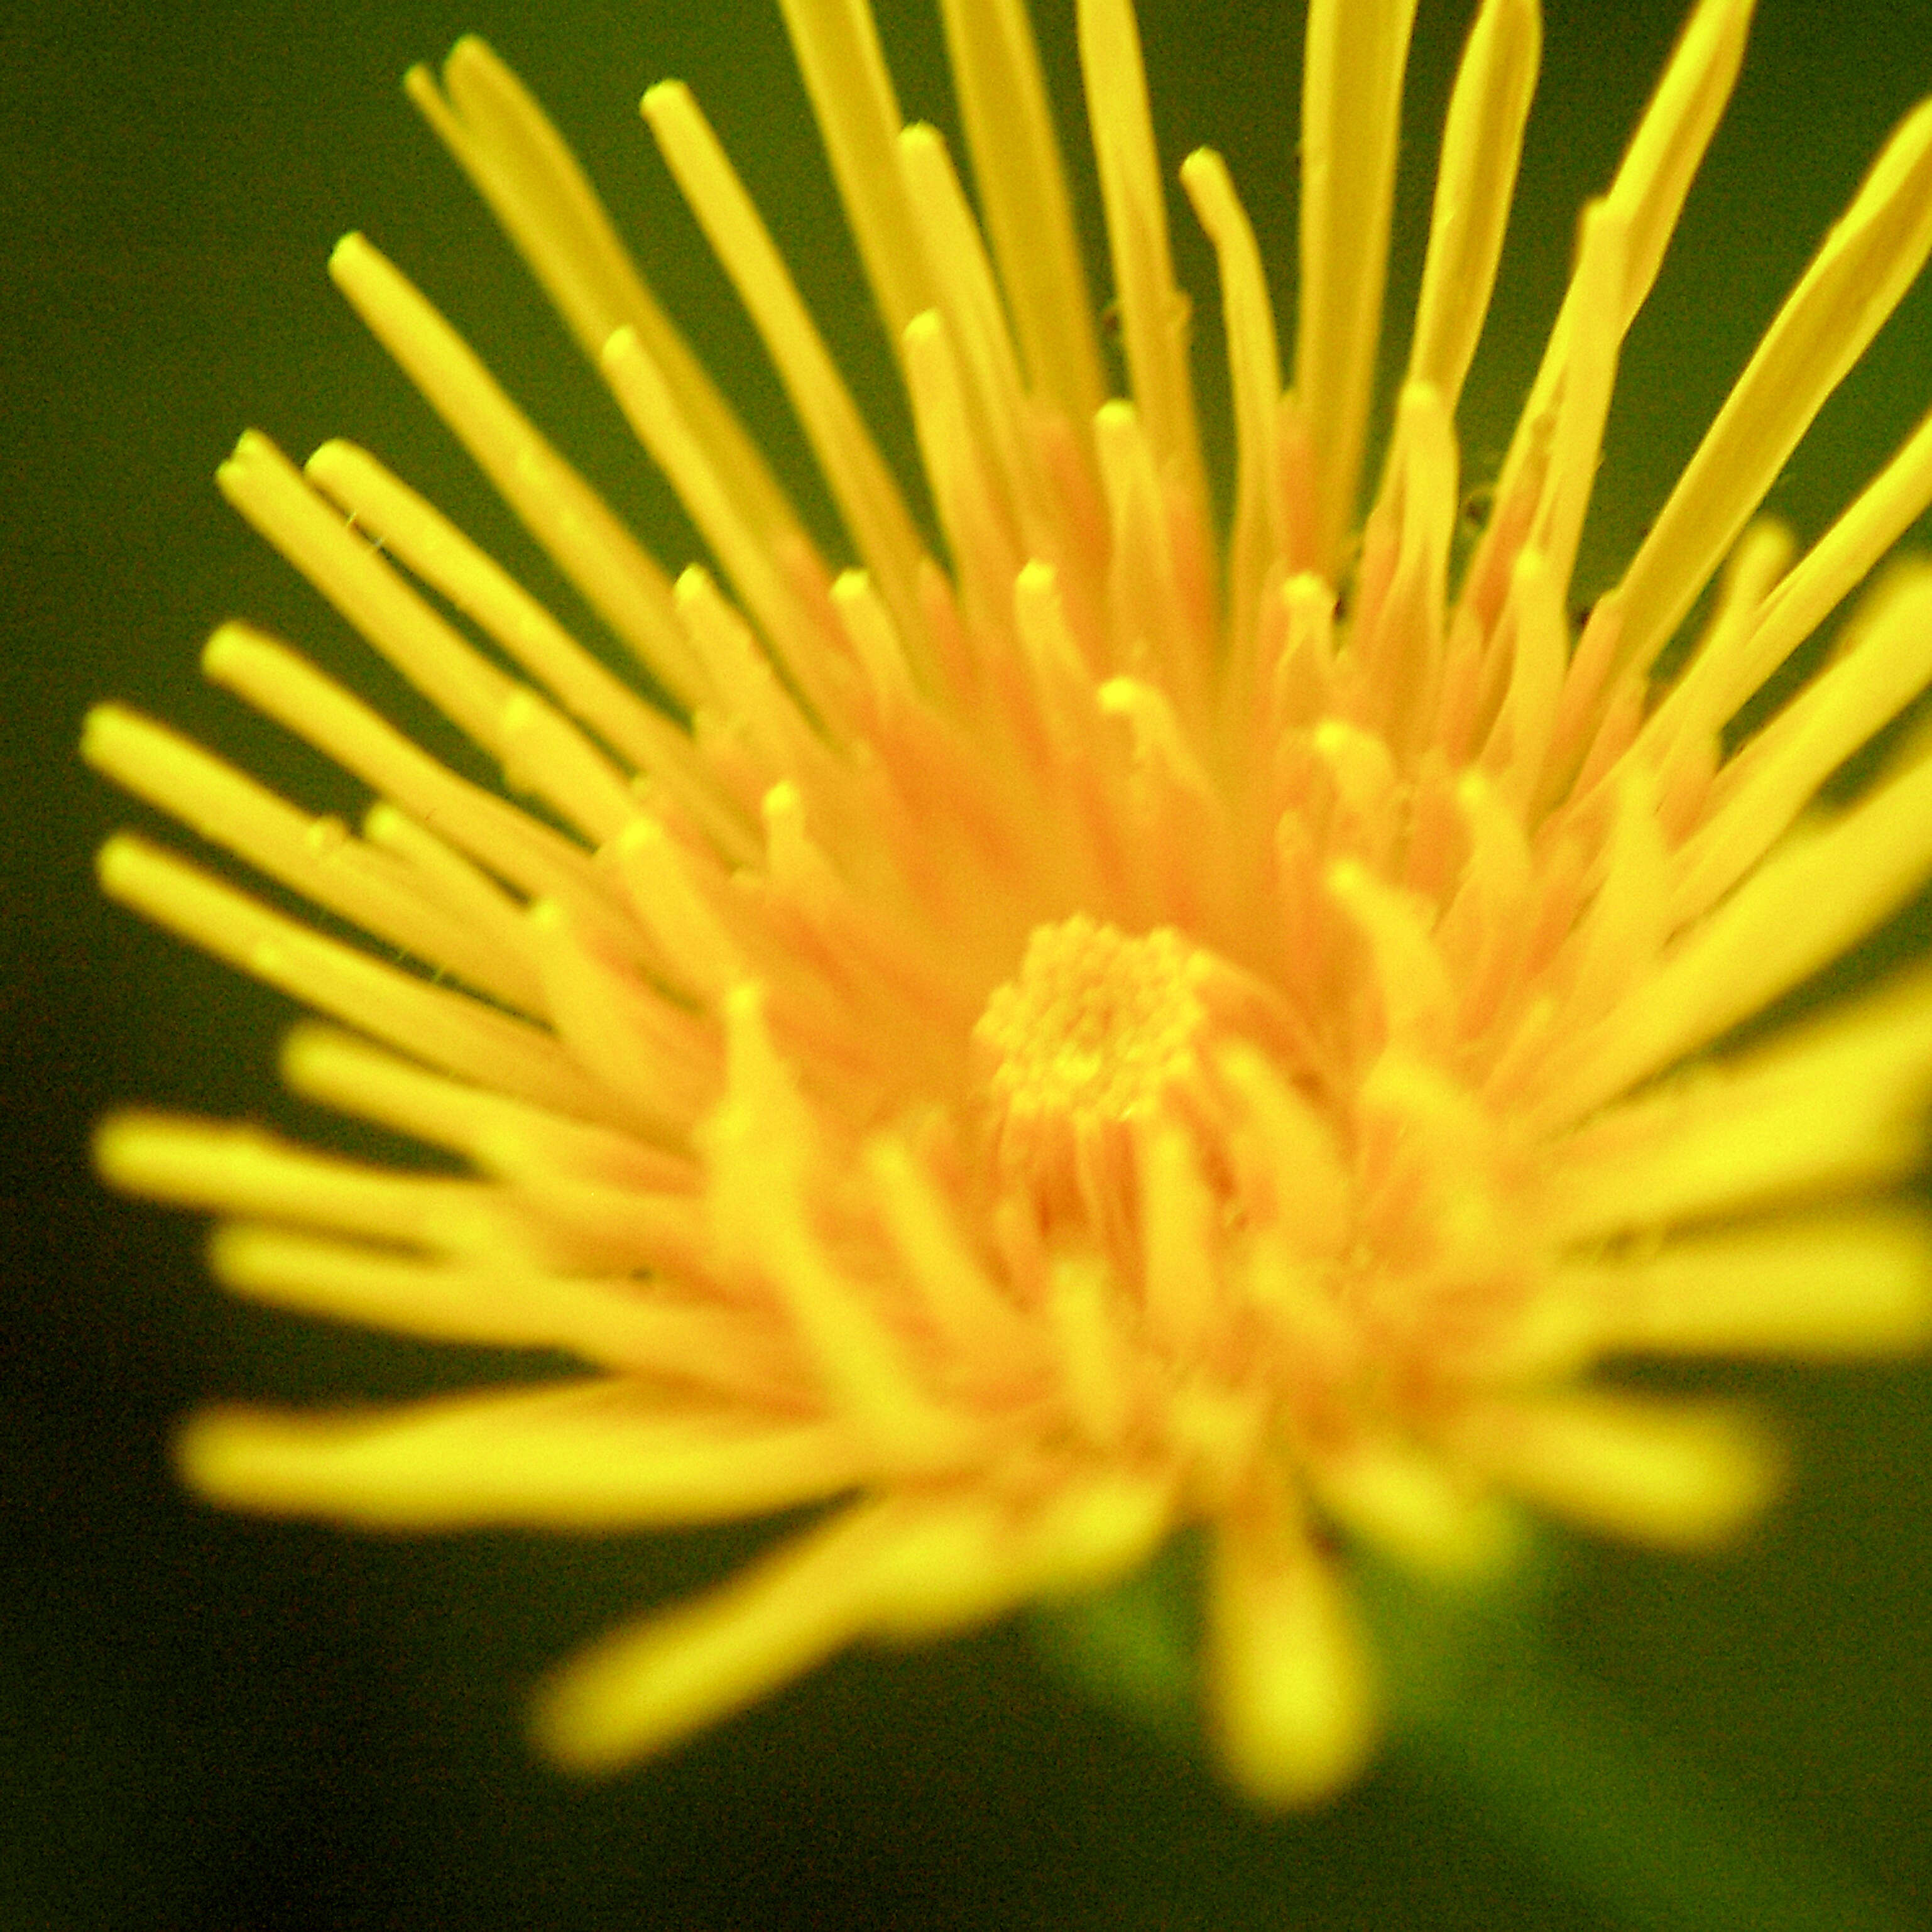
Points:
x=211 y=1722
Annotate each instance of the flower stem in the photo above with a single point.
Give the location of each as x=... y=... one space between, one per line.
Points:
x=1484 y=1714
x=1483 y=1705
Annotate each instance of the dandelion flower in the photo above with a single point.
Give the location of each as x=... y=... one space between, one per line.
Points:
x=1081 y=1022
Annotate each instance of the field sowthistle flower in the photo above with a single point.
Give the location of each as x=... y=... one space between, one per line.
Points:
x=1065 y=1020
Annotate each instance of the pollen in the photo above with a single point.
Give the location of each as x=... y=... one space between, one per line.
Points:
x=1097 y=1026
x=1104 y=1044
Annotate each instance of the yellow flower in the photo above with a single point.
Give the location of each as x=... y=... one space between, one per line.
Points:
x=1090 y=1025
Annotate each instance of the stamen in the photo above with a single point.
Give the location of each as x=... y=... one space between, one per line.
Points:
x=1097 y=1025
x=1099 y=1038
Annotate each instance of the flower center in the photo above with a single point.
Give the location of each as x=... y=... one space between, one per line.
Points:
x=1097 y=1037
x=1097 y=1027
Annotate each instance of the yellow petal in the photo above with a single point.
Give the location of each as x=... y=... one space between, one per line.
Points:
x=617 y=1322
x=1683 y=1475
x=1856 y=1282
x=996 y=74
x=1868 y=261
x=1350 y=119
x=1153 y=308
x=1481 y=144
x=644 y=1687
x=587 y=1455
x=1292 y=1702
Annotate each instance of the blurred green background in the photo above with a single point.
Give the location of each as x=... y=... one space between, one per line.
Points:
x=211 y=1722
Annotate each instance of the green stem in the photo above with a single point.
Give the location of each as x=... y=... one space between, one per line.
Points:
x=1132 y=1649
x=1604 y=1805
x=1485 y=1711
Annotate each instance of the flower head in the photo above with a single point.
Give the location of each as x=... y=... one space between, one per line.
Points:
x=1081 y=1023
